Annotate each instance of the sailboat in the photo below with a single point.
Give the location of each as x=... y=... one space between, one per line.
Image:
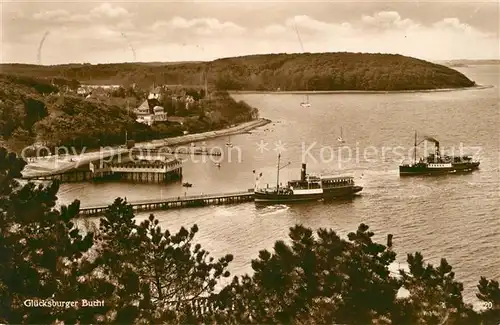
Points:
x=340 y=138
x=228 y=143
x=305 y=103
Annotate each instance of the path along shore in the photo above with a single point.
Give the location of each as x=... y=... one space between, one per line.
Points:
x=59 y=164
x=357 y=92
x=197 y=137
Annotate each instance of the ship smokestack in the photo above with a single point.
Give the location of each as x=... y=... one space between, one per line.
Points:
x=303 y=173
x=436 y=143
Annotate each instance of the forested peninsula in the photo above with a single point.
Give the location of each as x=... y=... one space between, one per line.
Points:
x=269 y=72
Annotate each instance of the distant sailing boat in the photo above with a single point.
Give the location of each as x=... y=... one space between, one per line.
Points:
x=228 y=143
x=340 y=138
x=305 y=103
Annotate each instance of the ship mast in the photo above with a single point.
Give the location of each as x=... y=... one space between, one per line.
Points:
x=415 y=150
x=278 y=174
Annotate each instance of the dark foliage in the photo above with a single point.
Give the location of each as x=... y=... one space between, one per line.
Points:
x=41 y=248
x=10 y=167
x=78 y=122
x=489 y=294
x=41 y=86
x=62 y=82
x=21 y=105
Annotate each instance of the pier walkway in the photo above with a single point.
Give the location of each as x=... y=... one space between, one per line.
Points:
x=55 y=165
x=177 y=202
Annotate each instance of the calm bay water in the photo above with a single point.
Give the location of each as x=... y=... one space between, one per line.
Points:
x=456 y=216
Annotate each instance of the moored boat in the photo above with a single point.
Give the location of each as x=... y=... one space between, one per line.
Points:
x=306 y=103
x=308 y=188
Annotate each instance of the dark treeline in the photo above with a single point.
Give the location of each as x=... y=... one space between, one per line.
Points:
x=308 y=71
x=148 y=275
x=34 y=111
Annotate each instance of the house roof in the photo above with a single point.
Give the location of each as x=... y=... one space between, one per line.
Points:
x=143 y=107
x=156 y=90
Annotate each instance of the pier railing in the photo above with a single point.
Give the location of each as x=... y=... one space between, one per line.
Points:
x=181 y=201
x=194 y=197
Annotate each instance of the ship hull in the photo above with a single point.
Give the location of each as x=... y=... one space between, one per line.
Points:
x=328 y=194
x=280 y=198
x=340 y=192
x=424 y=170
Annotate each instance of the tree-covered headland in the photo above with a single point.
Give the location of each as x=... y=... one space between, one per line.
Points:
x=148 y=275
x=269 y=72
x=39 y=104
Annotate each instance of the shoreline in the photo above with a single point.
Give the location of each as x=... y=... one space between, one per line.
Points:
x=197 y=137
x=57 y=165
x=357 y=92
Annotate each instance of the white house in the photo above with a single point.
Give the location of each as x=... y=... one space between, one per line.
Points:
x=81 y=91
x=158 y=110
x=189 y=100
x=159 y=114
x=146 y=119
x=107 y=87
x=155 y=93
x=143 y=109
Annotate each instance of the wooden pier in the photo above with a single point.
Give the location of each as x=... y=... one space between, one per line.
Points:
x=177 y=202
x=153 y=171
x=70 y=176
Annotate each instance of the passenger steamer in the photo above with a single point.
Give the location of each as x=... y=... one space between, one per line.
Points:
x=435 y=163
x=308 y=188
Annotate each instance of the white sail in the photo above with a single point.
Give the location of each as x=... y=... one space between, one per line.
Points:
x=228 y=143
x=305 y=103
x=340 y=138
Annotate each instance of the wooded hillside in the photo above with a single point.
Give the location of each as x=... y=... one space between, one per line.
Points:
x=33 y=110
x=308 y=71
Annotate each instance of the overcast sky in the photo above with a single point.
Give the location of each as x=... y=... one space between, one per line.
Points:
x=101 y=32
